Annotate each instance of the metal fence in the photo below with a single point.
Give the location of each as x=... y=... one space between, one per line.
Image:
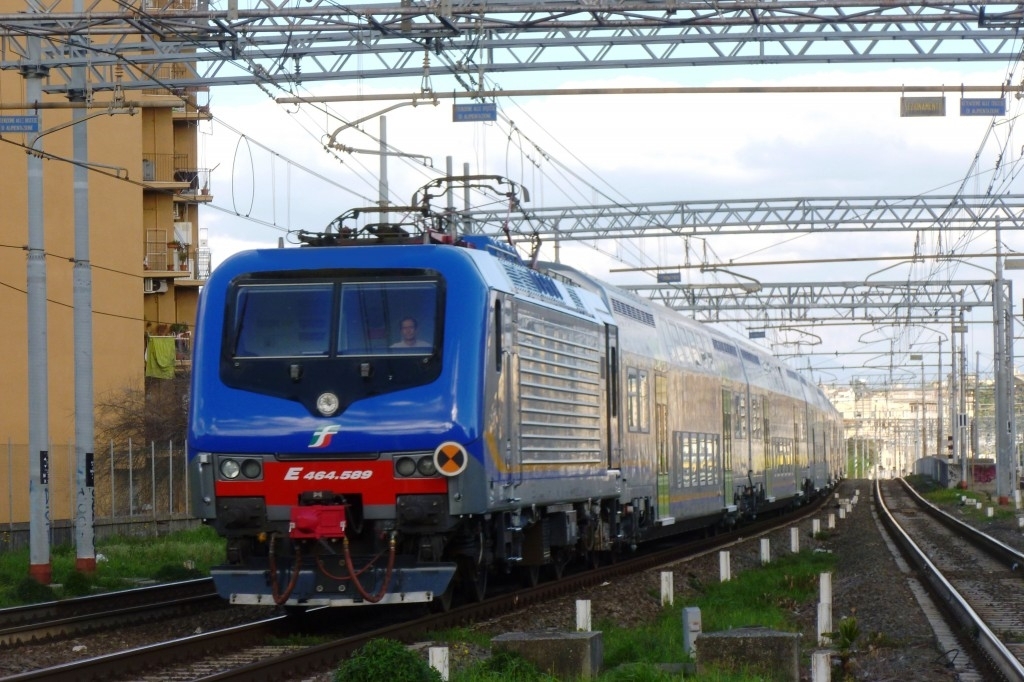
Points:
x=139 y=490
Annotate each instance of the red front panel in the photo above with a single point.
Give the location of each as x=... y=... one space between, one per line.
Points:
x=375 y=481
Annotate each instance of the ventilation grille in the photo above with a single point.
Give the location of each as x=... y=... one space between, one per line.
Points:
x=724 y=347
x=750 y=357
x=528 y=281
x=632 y=311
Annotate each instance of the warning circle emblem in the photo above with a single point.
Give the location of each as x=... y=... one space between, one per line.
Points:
x=450 y=459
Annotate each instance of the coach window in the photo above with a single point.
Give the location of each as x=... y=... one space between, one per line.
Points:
x=739 y=416
x=756 y=418
x=637 y=400
x=766 y=429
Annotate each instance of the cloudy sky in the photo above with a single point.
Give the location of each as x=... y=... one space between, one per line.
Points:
x=272 y=173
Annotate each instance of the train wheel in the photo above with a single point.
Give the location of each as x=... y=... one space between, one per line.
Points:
x=477 y=587
x=559 y=560
x=474 y=578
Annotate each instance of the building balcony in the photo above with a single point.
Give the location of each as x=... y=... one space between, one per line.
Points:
x=169 y=265
x=172 y=173
x=159 y=171
x=192 y=112
x=184 y=264
x=196 y=185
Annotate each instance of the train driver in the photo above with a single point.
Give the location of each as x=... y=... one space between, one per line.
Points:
x=409 y=335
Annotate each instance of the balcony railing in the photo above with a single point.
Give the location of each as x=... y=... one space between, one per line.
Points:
x=162 y=167
x=198 y=180
x=173 y=170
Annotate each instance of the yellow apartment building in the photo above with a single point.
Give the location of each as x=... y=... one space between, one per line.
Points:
x=147 y=253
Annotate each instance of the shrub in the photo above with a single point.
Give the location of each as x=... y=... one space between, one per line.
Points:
x=385 y=660
x=30 y=591
x=77 y=584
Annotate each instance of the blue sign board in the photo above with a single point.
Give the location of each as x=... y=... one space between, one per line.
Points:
x=19 y=124
x=982 y=106
x=487 y=111
x=668 y=277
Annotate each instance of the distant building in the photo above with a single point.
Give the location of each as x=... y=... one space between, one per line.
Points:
x=902 y=422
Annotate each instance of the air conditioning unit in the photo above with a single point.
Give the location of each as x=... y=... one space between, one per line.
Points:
x=153 y=285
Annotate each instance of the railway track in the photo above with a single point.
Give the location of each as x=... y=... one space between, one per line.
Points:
x=70 y=617
x=256 y=652
x=977 y=580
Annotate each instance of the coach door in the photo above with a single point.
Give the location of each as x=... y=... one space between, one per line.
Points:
x=611 y=392
x=661 y=442
x=727 y=473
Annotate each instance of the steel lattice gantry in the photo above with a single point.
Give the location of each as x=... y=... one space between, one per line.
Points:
x=855 y=302
x=742 y=216
x=295 y=40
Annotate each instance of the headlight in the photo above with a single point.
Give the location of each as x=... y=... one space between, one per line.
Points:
x=426 y=466
x=327 y=404
x=251 y=468
x=229 y=468
x=405 y=466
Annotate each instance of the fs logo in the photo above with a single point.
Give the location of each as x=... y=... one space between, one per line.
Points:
x=322 y=436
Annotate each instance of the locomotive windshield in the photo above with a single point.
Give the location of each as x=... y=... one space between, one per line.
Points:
x=283 y=320
x=391 y=317
x=372 y=318
x=352 y=336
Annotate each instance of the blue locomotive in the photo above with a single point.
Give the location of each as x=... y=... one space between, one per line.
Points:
x=389 y=416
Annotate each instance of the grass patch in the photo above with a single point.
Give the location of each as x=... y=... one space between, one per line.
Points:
x=765 y=596
x=464 y=636
x=124 y=563
x=941 y=497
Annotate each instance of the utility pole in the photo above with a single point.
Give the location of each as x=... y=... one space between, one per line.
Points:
x=963 y=421
x=85 y=550
x=1006 y=468
x=924 y=415
x=938 y=406
x=38 y=368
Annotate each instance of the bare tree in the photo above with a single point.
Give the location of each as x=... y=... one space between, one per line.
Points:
x=153 y=418
x=156 y=412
